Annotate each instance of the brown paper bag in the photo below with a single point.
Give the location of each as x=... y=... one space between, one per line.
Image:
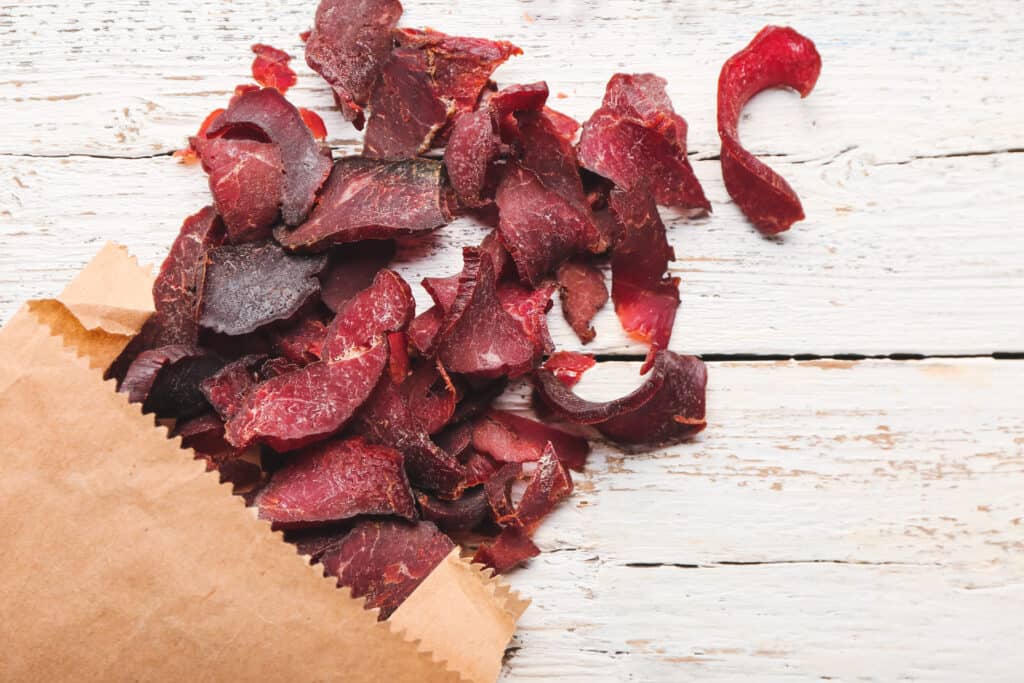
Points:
x=126 y=560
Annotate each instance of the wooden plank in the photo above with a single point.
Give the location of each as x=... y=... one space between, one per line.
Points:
x=890 y=259
x=836 y=519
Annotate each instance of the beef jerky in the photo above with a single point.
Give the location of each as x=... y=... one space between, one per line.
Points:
x=431 y=395
x=372 y=199
x=189 y=155
x=478 y=466
x=314 y=543
x=270 y=68
x=314 y=123
x=306 y=164
x=465 y=513
x=351 y=269
x=166 y=380
x=643 y=97
x=499 y=490
x=398 y=356
x=385 y=306
x=569 y=366
x=385 y=560
x=301 y=407
x=301 y=340
x=584 y=293
x=226 y=389
x=529 y=308
x=442 y=290
x=515 y=98
x=349 y=43
x=566 y=126
x=455 y=439
x=204 y=434
x=510 y=438
x=472 y=148
x=247 y=181
x=777 y=56
x=512 y=547
x=424 y=328
x=406 y=109
x=645 y=297
x=244 y=476
x=248 y=286
x=548 y=484
x=337 y=480
x=479 y=337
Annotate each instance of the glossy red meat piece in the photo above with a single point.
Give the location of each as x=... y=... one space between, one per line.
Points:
x=314 y=543
x=479 y=337
x=385 y=306
x=424 y=328
x=443 y=290
x=511 y=548
x=406 y=110
x=479 y=397
x=337 y=480
x=584 y=293
x=301 y=407
x=472 y=147
x=351 y=268
x=676 y=411
x=499 y=490
x=306 y=163
x=645 y=297
x=166 y=380
x=777 y=56
x=548 y=484
x=463 y=514
x=368 y=199
x=431 y=395
x=270 y=68
x=510 y=438
x=301 y=341
x=314 y=123
x=385 y=560
x=227 y=388
x=569 y=366
x=349 y=43
x=247 y=181
x=529 y=308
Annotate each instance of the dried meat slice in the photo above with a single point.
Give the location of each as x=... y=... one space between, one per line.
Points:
x=429 y=391
x=499 y=490
x=227 y=388
x=351 y=269
x=548 y=484
x=204 y=434
x=350 y=42
x=566 y=126
x=166 y=380
x=465 y=513
x=247 y=181
x=385 y=560
x=777 y=56
x=529 y=308
x=472 y=148
x=301 y=341
x=511 y=438
x=479 y=337
x=371 y=199
x=270 y=68
x=384 y=307
x=568 y=406
x=516 y=98
x=248 y=286
x=569 y=366
x=337 y=480
x=511 y=548
x=424 y=328
x=584 y=293
x=306 y=163
x=643 y=97
x=298 y=408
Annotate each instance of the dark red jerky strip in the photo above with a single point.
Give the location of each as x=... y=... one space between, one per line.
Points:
x=424 y=328
x=226 y=389
x=337 y=480
x=405 y=109
x=351 y=269
x=443 y=290
x=431 y=396
x=529 y=308
x=166 y=380
x=301 y=407
x=384 y=560
x=584 y=293
x=189 y=154
x=511 y=548
x=674 y=413
x=385 y=306
x=568 y=406
x=314 y=123
x=777 y=56
x=306 y=164
x=499 y=489
x=270 y=68
x=472 y=147
x=372 y=199
x=479 y=338
x=510 y=438
x=569 y=366
x=463 y=514
x=646 y=299
x=247 y=181
x=548 y=484
x=204 y=434
x=248 y=286
x=300 y=341
x=349 y=43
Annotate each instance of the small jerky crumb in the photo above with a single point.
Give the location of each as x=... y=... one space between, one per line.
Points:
x=569 y=366
x=511 y=548
x=270 y=68
x=584 y=293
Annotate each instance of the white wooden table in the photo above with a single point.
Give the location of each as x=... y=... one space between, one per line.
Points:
x=843 y=520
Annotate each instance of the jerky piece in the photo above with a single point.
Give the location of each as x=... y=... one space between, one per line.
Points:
x=314 y=543
x=189 y=155
x=443 y=290
x=301 y=407
x=432 y=396
x=569 y=366
x=372 y=199
x=565 y=125
x=385 y=560
x=463 y=514
x=349 y=43
x=643 y=97
x=512 y=547
x=455 y=439
x=472 y=148
x=777 y=56
x=516 y=98
x=479 y=337
x=301 y=341
x=424 y=328
x=499 y=490
x=676 y=411
x=243 y=475
x=529 y=308
x=314 y=123
x=385 y=306
x=270 y=68
x=549 y=484
x=583 y=295
x=405 y=109
x=337 y=480
x=511 y=438
x=226 y=389
x=204 y=434
x=387 y=419
x=645 y=297
x=306 y=166
x=247 y=286
x=351 y=269
x=246 y=179
x=166 y=380
x=479 y=467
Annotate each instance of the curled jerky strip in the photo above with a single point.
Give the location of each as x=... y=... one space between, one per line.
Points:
x=777 y=56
